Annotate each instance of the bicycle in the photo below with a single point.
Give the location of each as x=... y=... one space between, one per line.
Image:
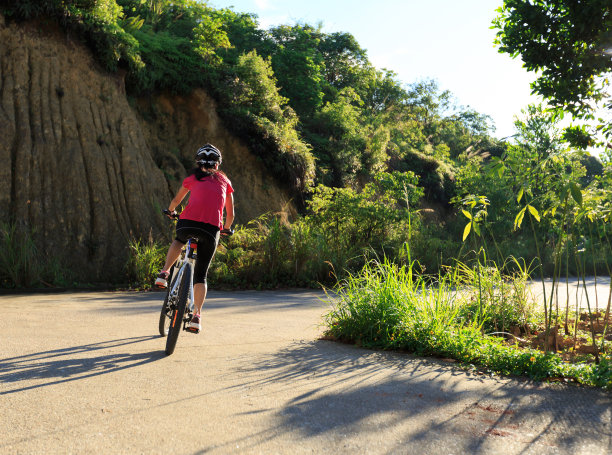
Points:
x=178 y=306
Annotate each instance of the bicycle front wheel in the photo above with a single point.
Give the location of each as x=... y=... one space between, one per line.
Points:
x=176 y=323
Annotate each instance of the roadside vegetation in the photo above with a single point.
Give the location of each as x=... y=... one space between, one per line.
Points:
x=23 y=264
x=426 y=227
x=386 y=306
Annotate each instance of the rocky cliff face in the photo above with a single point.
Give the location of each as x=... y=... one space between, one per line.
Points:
x=83 y=170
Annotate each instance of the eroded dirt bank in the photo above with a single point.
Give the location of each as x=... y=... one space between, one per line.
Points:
x=83 y=169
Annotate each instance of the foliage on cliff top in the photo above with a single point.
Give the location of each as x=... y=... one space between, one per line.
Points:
x=294 y=93
x=172 y=45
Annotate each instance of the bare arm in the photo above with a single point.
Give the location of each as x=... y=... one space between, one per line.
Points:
x=229 y=211
x=180 y=195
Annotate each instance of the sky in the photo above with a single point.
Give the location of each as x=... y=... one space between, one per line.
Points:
x=449 y=41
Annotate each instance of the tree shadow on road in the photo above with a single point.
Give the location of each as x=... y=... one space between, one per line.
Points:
x=235 y=301
x=71 y=364
x=351 y=390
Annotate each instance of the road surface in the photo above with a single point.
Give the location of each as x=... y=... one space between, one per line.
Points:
x=86 y=373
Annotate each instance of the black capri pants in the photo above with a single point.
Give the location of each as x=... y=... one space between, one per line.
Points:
x=207 y=238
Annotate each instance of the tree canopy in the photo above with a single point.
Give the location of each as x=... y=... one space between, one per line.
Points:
x=310 y=103
x=569 y=44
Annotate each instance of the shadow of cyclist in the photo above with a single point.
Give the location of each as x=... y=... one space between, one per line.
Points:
x=64 y=365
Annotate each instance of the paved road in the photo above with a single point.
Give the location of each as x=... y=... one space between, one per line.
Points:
x=85 y=373
x=597 y=295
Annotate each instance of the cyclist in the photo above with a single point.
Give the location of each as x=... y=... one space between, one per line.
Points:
x=202 y=219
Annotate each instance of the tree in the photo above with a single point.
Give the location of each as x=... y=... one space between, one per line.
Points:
x=298 y=66
x=337 y=134
x=342 y=56
x=568 y=41
x=245 y=36
x=255 y=88
x=344 y=64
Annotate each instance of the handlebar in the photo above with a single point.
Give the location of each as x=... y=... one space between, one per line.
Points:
x=170 y=214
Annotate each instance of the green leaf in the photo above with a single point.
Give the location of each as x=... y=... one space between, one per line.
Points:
x=576 y=193
x=563 y=194
x=467 y=214
x=519 y=218
x=520 y=195
x=466 y=230
x=534 y=212
x=476 y=228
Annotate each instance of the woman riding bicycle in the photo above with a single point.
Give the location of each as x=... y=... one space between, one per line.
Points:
x=202 y=219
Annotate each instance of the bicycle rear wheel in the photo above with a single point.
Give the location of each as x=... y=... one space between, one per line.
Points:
x=165 y=315
x=176 y=325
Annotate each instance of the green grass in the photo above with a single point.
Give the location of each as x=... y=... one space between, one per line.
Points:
x=145 y=260
x=386 y=306
x=499 y=301
x=22 y=264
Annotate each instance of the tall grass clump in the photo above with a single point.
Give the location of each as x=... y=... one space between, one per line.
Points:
x=499 y=301
x=391 y=306
x=146 y=257
x=386 y=301
x=22 y=264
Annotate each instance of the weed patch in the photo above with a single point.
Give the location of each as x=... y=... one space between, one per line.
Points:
x=22 y=264
x=145 y=260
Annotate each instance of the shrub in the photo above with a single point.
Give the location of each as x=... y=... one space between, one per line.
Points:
x=268 y=253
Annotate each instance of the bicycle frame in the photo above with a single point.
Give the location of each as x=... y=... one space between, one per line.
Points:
x=187 y=256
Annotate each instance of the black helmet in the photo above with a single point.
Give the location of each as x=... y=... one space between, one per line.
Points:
x=208 y=155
